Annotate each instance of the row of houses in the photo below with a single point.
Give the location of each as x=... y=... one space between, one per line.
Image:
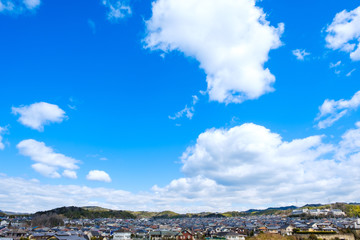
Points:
x=319 y=212
x=174 y=229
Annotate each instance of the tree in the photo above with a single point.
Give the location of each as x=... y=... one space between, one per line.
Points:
x=47 y=220
x=313 y=237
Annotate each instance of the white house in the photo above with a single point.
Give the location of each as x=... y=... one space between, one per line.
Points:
x=122 y=236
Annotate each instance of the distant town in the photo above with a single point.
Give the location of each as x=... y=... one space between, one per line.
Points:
x=88 y=223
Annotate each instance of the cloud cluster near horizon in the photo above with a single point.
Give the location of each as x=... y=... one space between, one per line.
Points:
x=234 y=168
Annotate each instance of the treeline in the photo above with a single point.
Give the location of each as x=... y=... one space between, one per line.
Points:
x=351 y=210
x=47 y=220
x=95 y=212
x=78 y=212
x=268 y=236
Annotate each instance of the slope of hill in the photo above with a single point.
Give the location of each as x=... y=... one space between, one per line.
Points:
x=351 y=210
x=78 y=212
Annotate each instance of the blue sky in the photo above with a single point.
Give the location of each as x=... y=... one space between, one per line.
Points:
x=183 y=105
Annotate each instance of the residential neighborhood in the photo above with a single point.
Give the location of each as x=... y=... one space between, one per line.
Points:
x=210 y=228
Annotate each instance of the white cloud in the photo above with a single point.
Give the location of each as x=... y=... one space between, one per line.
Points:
x=350 y=143
x=69 y=174
x=18 y=6
x=300 y=54
x=24 y=195
x=334 y=65
x=230 y=38
x=187 y=111
x=97 y=175
x=117 y=9
x=349 y=73
x=249 y=165
x=237 y=155
x=2 y=131
x=31 y=4
x=246 y=166
x=195 y=99
x=46 y=170
x=344 y=32
x=39 y=114
x=226 y=169
x=331 y=110
x=47 y=161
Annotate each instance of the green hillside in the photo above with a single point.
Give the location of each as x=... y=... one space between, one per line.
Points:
x=91 y=212
x=78 y=212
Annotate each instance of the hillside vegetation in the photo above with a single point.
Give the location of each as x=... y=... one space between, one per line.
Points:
x=271 y=237
x=78 y=212
x=351 y=210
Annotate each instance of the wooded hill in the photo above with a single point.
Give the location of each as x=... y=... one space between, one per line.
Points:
x=92 y=212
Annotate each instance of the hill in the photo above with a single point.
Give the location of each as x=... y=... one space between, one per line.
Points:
x=92 y=212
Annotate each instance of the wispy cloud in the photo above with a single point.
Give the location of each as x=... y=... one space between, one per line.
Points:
x=2 y=131
x=349 y=73
x=300 y=54
x=116 y=9
x=18 y=6
x=331 y=111
x=334 y=65
x=187 y=111
x=92 y=25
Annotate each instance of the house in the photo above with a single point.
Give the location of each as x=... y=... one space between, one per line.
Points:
x=141 y=233
x=122 y=236
x=338 y=213
x=299 y=211
x=160 y=235
x=66 y=237
x=273 y=229
x=15 y=234
x=286 y=230
x=230 y=236
x=314 y=212
x=4 y=223
x=357 y=224
x=41 y=235
x=262 y=229
x=185 y=234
